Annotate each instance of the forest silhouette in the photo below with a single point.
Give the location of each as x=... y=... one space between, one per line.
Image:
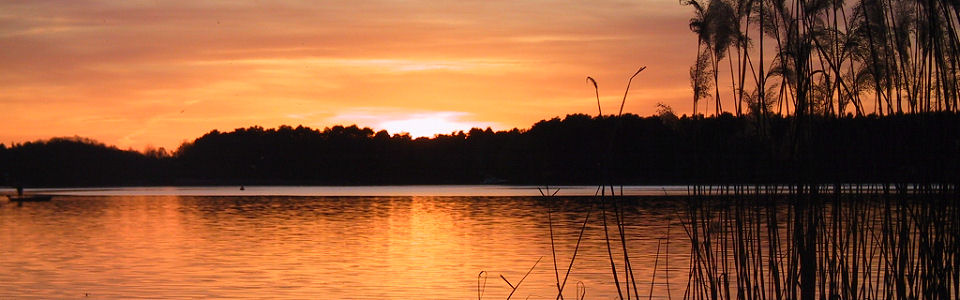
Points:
x=662 y=149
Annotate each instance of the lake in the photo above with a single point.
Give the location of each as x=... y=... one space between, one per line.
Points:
x=455 y=242
x=328 y=242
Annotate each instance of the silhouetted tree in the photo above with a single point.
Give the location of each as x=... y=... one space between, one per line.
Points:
x=649 y=150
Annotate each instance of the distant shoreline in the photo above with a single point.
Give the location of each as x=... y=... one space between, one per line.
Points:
x=576 y=150
x=655 y=191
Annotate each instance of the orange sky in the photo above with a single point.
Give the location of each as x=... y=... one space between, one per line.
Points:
x=157 y=73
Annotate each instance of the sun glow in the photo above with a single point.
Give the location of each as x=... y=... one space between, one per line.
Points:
x=417 y=124
x=138 y=73
x=430 y=124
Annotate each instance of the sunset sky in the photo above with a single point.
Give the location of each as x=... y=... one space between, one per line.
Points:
x=158 y=73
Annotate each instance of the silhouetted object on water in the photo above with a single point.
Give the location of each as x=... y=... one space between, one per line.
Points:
x=20 y=197
x=30 y=198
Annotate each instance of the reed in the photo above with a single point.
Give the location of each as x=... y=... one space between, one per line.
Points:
x=629 y=278
x=576 y=249
x=561 y=284
x=481 y=284
x=653 y=278
x=817 y=246
x=795 y=241
x=581 y=290
x=513 y=288
x=606 y=238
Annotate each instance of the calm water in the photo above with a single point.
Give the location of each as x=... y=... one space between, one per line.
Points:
x=430 y=242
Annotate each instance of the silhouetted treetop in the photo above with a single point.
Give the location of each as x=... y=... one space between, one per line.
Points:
x=79 y=161
x=572 y=150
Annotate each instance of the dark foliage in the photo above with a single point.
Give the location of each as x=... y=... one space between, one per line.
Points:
x=79 y=162
x=648 y=150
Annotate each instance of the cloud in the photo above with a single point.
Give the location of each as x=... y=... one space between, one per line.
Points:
x=230 y=64
x=373 y=65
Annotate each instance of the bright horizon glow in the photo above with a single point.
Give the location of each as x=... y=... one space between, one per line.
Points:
x=138 y=74
x=428 y=125
x=417 y=124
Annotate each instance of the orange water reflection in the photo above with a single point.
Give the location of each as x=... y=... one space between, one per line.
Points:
x=307 y=247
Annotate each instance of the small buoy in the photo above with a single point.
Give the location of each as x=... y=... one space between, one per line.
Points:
x=242 y=188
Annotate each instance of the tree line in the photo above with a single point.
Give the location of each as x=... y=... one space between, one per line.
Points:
x=662 y=149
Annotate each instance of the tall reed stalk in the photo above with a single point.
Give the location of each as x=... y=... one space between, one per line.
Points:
x=820 y=246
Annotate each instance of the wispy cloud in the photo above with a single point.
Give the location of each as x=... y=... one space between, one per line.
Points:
x=192 y=66
x=373 y=64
